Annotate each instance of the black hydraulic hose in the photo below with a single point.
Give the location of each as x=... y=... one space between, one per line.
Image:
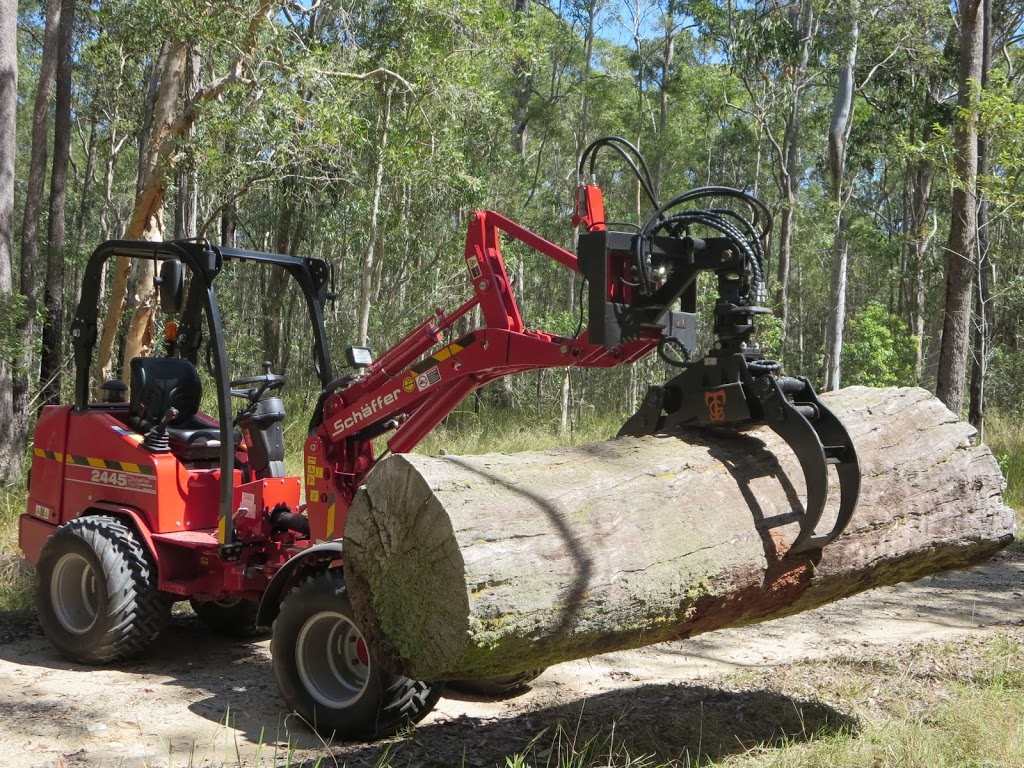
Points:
x=638 y=166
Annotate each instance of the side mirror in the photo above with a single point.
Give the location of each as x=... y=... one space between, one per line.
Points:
x=172 y=287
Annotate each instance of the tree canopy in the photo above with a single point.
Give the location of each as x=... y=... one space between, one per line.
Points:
x=365 y=132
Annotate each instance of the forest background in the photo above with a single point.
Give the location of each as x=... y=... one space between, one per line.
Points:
x=887 y=141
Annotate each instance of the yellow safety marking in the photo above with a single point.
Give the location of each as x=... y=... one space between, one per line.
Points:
x=222 y=531
x=450 y=351
x=117 y=466
x=330 y=517
x=40 y=453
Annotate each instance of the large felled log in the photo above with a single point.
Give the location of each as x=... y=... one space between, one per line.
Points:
x=478 y=566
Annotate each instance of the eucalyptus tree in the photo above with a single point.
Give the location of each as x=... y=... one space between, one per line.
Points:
x=963 y=231
x=774 y=49
x=50 y=362
x=34 y=199
x=12 y=448
x=839 y=190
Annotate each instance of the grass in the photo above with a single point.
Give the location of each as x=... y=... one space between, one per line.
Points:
x=491 y=431
x=16 y=582
x=951 y=704
x=1006 y=439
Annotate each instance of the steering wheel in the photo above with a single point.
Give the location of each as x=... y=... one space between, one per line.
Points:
x=252 y=388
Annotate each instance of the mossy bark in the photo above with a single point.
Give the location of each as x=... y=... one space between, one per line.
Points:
x=478 y=566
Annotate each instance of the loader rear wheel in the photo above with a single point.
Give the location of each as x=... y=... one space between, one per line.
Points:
x=325 y=673
x=231 y=618
x=96 y=592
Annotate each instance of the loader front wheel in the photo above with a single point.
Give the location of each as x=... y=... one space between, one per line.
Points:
x=325 y=673
x=96 y=592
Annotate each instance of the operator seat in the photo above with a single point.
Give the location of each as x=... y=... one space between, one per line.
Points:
x=162 y=383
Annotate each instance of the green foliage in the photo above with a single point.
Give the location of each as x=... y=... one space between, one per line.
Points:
x=878 y=351
x=1005 y=374
x=12 y=312
x=16 y=580
x=1004 y=435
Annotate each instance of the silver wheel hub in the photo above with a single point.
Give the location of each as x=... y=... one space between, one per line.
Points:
x=332 y=660
x=74 y=593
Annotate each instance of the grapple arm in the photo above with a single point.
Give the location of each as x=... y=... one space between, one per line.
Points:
x=731 y=392
x=637 y=281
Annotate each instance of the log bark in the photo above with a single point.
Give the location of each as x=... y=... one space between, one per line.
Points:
x=478 y=566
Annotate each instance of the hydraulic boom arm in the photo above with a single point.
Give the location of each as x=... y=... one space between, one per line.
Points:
x=642 y=297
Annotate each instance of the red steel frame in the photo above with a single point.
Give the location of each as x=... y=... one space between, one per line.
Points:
x=418 y=395
x=406 y=393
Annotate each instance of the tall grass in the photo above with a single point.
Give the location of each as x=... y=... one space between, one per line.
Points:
x=493 y=430
x=1004 y=434
x=16 y=581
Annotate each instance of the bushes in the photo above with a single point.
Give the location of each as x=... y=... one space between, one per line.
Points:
x=878 y=350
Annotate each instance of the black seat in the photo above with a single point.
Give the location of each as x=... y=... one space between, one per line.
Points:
x=162 y=383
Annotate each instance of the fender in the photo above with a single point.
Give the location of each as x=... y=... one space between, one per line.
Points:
x=317 y=557
x=131 y=515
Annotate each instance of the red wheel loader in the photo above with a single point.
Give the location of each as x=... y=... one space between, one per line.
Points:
x=138 y=501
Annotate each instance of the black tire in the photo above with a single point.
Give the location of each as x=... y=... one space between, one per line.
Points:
x=498 y=686
x=96 y=592
x=340 y=694
x=231 y=618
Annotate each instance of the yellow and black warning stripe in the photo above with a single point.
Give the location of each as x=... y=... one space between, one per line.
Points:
x=119 y=466
x=443 y=354
x=41 y=454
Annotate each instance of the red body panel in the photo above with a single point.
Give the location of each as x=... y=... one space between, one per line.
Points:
x=45 y=490
x=32 y=535
x=105 y=461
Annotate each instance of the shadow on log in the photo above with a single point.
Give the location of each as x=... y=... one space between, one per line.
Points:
x=479 y=566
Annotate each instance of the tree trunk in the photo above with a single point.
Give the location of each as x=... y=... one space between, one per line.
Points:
x=277 y=279
x=143 y=205
x=479 y=566
x=366 y=273
x=963 y=230
x=51 y=357
x=922 y=174
x=521 y=72
x=147 y=221
x=984 y=308
x=156 y=146
x=839 y=131
x=186 y=202
x=12 y=447
x=667 y=62
x=34 y=195
x=801 y=19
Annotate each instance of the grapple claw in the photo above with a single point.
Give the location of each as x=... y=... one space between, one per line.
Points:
x=819 y=439
x=729 y=391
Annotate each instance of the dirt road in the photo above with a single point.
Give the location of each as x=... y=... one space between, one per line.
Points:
x=202 y=700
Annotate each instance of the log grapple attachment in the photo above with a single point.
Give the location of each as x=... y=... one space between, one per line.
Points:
x=638 y=279
x=733 y=392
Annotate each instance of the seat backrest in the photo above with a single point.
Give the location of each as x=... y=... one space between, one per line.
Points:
x=159 y=384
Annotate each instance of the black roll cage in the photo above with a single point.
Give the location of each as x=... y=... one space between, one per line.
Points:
x=204 y=262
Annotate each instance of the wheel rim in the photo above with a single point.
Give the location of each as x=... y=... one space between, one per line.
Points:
x=332 y=659
x=75 y=593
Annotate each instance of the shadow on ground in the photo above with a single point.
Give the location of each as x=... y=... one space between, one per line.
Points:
x=691 y=724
